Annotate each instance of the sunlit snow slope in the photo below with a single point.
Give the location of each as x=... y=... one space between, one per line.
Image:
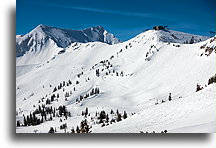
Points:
x=45 y=41
x=136 y=76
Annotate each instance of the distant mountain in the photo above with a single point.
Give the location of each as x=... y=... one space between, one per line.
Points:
x=43 y=35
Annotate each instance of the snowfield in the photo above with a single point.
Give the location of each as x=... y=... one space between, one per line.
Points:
x=153 y=77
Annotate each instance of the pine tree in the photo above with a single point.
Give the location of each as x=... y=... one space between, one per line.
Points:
x=31 y=119
x=18 y=123
x=39 y=109
x=82 y=113
x=192 y=40
x=51 y=130
x=86 y=111
x=118 y=117
x=41 y=119
x=107 y=118
x=122 y=74
x=97 y=73
x=198 y=87
x=102 y=115
x=72 y=130
x=170 y=98
x=117 y=112
x=55 y=89
x=111 y=112
x=116 y=73
x=124 y=115
x=77 y=129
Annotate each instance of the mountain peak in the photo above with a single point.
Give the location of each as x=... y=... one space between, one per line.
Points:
x=163 y=34
x=42 y=34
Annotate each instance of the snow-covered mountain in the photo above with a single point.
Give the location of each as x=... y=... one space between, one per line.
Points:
x=157 y=81
x=43 y=37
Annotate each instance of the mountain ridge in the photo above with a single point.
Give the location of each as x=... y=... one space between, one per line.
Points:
x=152 y=78
x=61 y=37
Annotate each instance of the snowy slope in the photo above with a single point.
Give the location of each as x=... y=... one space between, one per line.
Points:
x=192 y=114
x=43 y=37
x=135 y=76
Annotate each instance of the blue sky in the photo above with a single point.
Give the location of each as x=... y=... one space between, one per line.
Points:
x=123 y=18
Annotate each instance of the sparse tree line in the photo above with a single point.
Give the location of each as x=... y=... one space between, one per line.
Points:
x=150 y=52
x=165 y=131
x=109 y=71
x=211 y=80
x=83 y=128
x=94 y=91
x=63 y=84
x=105 y=119
x=42 y=114
x=101 y=118
x=208 y=50
x=163 y=101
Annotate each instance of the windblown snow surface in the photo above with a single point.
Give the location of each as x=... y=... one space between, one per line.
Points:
x=153 y=65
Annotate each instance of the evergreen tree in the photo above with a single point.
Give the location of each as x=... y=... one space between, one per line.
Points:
x=116 y=73
x=18 y=123
x=83 y=113
x=51 y=130
x=55 y=89
x=97 y=73
x=124 y=115
x=72 y=130
x=31 y=119
x=212 y=80
x=122 y=74
x=198 y=87
x=77 y=129
x=86 y=111
x=48 y=101
x=39 y=109
x=102 y=115
x=118 y=117
x=25 y=121
x=170 y=98
x=107 y=118
x=117 y=112
x=192 y=40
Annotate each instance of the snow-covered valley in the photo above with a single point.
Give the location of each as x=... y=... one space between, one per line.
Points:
x=160 y=80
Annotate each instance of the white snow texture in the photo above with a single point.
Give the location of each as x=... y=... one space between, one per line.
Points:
x=136 y=76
